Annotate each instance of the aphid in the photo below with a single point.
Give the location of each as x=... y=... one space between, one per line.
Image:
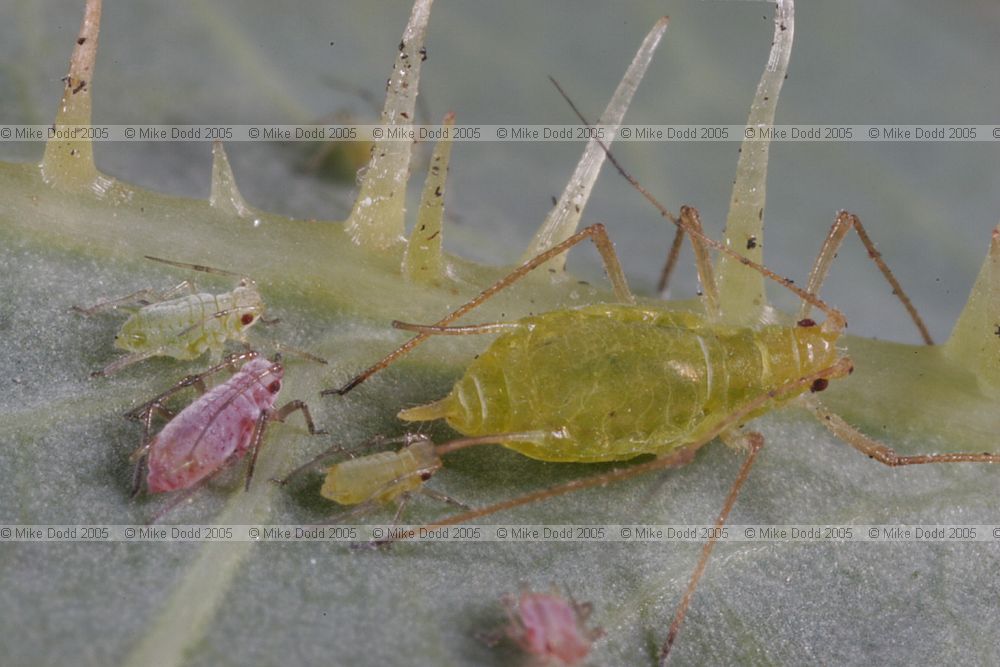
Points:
x=610 y=382
x=548 y=627
x=181 y=327
x=215 y=430
x=365 y=482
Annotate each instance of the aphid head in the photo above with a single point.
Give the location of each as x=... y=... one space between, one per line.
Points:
x=275 y=372
x=248 y=305
x=131 y=337
x=268 y=373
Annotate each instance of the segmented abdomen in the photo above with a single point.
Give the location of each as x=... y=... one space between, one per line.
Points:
x=183 y=328
x=216 y=426
x=616 y=381
x=378 y=477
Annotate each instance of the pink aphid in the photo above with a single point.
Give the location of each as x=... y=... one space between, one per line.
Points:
x=550 y=627
x=217 y=429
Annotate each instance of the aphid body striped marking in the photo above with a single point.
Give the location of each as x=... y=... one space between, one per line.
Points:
x=365 y=482
x=217 y=429
x=184 y=327
x=610 y=382
x=381 y=477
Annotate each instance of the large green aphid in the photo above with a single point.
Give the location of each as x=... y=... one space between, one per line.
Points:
x=610 y=382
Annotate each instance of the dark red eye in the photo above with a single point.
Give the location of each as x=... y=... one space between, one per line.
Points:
x=819 y=385
x=274 y=387
x=808 y=322
x=424 y=476
x=246 y=319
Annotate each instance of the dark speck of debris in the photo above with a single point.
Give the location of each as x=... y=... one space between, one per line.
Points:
x=751 y=243
x=81 y=40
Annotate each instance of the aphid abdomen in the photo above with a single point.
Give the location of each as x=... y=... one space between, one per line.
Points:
x=607 y=387
x=217 y=426
x=614 y=382
x=381 y=476
x=185 y=327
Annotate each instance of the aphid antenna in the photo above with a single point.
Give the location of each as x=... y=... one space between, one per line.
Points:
x=196 y=380
x=499 y=439
x=687 y=223
x=836 y=319
x=198 y=267
x=281 y=348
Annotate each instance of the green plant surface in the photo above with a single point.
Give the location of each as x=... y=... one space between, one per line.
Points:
x=64 y=445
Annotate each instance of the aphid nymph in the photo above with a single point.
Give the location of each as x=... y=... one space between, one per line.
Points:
x=217 y=429
x=549 y=627
x=181 y=327
x=366 y=482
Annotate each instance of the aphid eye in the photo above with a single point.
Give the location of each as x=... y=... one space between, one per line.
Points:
x=246 y=319
x=819 y=385
x=807 y=322
x=274 y=387
x=424 y=476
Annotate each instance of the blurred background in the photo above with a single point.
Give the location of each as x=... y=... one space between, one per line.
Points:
x=930 y=206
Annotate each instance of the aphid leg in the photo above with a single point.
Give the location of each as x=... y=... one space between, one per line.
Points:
x=595 y=233
x=316 y=460
x=290 y=407
x=196 y=381
x=283 y=347
x=138 y=457
x=844 y=223
x=835 y=318
x=675 y=247
x=187 y=493
x=143 y=297
x=137 y=475
x=199 y=267
x=663 y=286
x=709 y=288
x=430 y=329
x=255 y=442
x=737 y=439
x=841 y=368
x=756 y=441
x=437 y=495
x=874 y=449
x=124 y=362
x=401 y=502
x=276 y=416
